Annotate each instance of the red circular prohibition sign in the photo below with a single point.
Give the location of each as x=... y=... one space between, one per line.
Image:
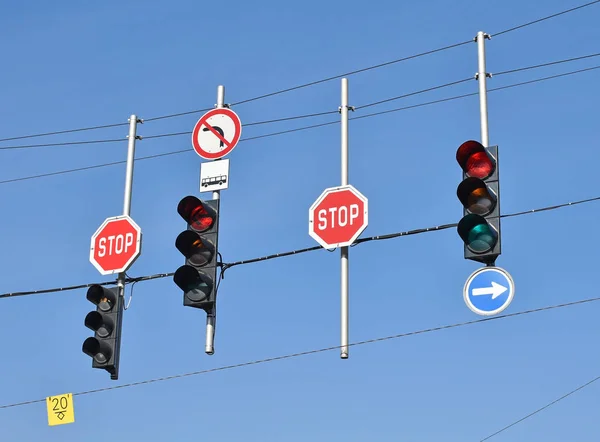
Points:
x=229 y=143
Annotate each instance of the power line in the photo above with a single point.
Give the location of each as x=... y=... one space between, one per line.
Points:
x=544 y=18
x=226 y=266
x=581 y=387
x=303 y=85
x=320 y=350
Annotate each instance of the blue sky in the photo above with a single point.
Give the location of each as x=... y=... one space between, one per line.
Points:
x=77 y=64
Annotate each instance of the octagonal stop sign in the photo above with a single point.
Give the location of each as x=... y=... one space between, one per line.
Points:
x=338 y=217
x=115 y=245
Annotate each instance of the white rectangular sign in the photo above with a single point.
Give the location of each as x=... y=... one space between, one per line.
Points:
x=214 y=175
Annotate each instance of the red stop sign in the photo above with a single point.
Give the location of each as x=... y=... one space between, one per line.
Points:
x=338 y=217
x=115 y=245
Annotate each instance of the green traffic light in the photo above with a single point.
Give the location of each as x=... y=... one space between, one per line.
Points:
x=477 y=234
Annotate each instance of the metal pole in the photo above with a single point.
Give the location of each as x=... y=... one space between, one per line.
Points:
x=344 y=250
x=211 y=318
x=126 y=211
x=482 y=77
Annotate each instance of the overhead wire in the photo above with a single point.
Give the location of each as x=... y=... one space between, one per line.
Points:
x=180 y=151
x=320 y=350
x=317 y=114
x=539 y=20
x=224 y=266
x=581 y=387
x=312 y=83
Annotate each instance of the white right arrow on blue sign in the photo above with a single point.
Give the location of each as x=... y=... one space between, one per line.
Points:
x=488 y=291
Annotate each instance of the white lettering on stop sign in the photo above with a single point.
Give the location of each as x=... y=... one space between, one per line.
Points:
x=115 y=245
x=338 y=216
x=122 y=243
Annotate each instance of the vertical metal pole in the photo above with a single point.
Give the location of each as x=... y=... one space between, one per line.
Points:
x=211 y=318
x=126 y=211
x=482 y=77
x=344 y=250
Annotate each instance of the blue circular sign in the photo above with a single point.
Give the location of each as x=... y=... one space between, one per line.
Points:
x=488 y=291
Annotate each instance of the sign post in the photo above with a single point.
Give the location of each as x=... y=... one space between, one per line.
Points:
x=215 y=135
x=117 y=242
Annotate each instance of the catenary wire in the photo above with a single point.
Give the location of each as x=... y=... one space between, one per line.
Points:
x=581 y=387
x=457 y=97
x=306 y=84
x=297 y=117
x=225 y=266
x=320 y=350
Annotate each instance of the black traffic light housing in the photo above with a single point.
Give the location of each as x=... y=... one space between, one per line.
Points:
x=197 y=278
x=479 y=193
x=106 y=322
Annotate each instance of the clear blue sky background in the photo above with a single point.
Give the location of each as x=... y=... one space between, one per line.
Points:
x=76 y=64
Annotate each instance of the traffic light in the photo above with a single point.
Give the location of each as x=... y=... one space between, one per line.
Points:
x=106 y=322
x=479 y=193
x=198 y=276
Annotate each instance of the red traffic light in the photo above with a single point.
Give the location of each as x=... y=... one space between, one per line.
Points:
x=474 y=160
x=195 y=213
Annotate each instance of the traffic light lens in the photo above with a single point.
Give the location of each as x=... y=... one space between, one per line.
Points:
x=475 y=196
x=196 y=287
x=479 y=165
x=103 y=326
x=199 y=252
x=200 y=219
x=102 y=297
x=101 y=352
x=474 y=160
x=477 y=234
x=482 y=238
x=194 y=212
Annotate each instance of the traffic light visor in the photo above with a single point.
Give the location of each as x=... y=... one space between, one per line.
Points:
x=100 y=324
x=98 y=350
x=199 y=251
x=476 y=197
x=104 y=298
x=477 y=234
x=196 y=286
x=196 y=214
x=474 y=160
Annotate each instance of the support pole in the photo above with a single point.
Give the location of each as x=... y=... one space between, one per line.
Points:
x=482 y=77
x=344 y=250
x=211 y=318
x=133 y=120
